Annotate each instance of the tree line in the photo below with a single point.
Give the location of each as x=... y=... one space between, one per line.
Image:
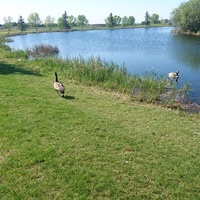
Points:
x=187 y=16
x=66 y=22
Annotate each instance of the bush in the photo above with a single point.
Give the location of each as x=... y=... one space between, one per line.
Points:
x=187 y=16
x=43 y=51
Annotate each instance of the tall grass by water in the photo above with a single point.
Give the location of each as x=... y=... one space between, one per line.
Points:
x=146 y=87
x=108 y=75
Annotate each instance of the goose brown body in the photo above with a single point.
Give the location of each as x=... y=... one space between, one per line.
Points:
x=58 y=86
x=173 y=74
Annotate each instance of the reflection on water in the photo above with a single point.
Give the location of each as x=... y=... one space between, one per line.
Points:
x=141 y=49
x=187 y=49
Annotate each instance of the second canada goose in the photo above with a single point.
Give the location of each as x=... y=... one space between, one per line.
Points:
x=173 y=74
x=58 y=86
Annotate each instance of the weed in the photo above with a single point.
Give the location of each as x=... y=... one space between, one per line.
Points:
x=42 y=51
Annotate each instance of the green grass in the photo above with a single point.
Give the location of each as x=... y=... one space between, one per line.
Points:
x=93 y=144
x=16 y=31
x=107 y=75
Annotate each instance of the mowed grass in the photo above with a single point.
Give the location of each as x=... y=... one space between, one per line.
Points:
x=92 y=144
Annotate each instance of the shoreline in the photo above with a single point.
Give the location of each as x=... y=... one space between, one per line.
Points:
x=31 y=30
x=178 y=103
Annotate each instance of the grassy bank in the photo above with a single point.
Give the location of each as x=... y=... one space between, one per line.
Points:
x=95 y=143
x=16 y=31
x=147 y=87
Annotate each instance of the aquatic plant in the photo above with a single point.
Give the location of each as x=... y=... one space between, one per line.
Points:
x=43 y=50
x=147 y=87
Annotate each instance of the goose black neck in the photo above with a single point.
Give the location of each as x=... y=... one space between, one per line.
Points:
x=56 y=77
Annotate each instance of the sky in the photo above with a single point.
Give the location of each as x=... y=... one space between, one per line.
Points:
x=96 y=11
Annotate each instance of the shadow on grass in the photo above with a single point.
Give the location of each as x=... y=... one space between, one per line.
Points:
x=7 y=69
x=69 y=97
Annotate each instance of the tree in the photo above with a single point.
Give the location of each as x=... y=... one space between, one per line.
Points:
x=21 y=24
x=60 y=23
x=82 y=20
x=72 y=20
x=110 y=21
x=8 y=22
x=34 y=20
x=49 y=22
x=147 y=19
x=65 y=21
x=131 y=20
x=155 y=19
x=187 y=16
x=117 y=20
x=125 y=21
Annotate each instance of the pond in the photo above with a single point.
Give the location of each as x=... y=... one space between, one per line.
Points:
x=140 y=50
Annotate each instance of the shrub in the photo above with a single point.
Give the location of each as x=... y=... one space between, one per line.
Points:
x=43 y=51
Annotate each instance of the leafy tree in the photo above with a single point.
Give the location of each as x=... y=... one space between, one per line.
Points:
x=117 y=20
x=131 y=20
x=34 y=20
x=21 y=24
x=155 y=19
x=72 y=20
x=49 y=22
x=82 y=20
x=8 y=22
x=187 y=16
x=60 y=23
x=147 y=19
x=110 y=21
x=125 y=21
x=65 y=22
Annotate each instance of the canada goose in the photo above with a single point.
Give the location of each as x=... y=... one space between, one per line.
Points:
x=173 y=74
x=58 y=86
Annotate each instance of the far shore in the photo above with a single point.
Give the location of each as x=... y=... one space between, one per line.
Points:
x=31 y=30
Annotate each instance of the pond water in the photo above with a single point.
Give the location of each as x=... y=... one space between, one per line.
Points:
x=140 y=50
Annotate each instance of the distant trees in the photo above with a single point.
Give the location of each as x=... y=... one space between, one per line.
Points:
x=66 y=22
x=128 y=21
x=8 y=22
x=131 y=20
x=187 y=16
x=110 y=21
x=116 y=20
x=125 y=21
x=21 y=24
x=34 y=20
x=63 y=22
x=49 y=22
x=147 y=19
x=82 y=21
x=60 y=23
x=72 y=20
x=155 y=19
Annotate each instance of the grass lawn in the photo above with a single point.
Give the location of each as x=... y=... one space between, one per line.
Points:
x=92 y=144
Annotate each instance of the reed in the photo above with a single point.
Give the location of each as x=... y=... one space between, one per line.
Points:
x=147 y=87
x=42 y=51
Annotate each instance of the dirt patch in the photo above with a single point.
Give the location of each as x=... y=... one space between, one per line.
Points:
x=179 y=100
